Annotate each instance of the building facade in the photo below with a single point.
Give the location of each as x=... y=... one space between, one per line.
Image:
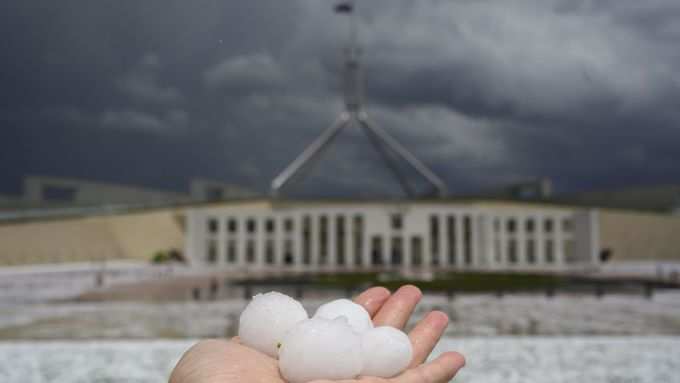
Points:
x=314 y=236
x=57 y=191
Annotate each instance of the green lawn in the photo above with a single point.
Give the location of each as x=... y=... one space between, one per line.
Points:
x=445 y=281
x=450 y=281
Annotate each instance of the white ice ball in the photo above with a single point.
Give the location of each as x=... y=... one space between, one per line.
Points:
x=266 y=320
x=387 y=352
x=356 y=315
x=320 y=349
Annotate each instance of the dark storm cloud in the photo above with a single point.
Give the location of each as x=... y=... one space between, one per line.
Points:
x=486 y=92
x=576 y=90
x=141 y=84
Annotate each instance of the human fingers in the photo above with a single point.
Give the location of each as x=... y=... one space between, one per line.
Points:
x=426 y=334
x=373 y=299
x=440 y=370
x=398 y=308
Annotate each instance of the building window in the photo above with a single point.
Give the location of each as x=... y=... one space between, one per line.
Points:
x=214 y=194
x=530 y=225
x=232 y=225
x=376 y=250
x=549 y=251
x=323 y=239
x=512 y=251
x=397 y=251
x=434 y=235
x=250 y=251
x=548 y=225
x=467 y=239
x=212 y=252
x=306 y=240
x=416 y=250
x=568 y=251
x=497 y=250
x=512 y=225
x=54 y=193
x=358 y=239
x=251 y=225
x=451 y=238
x=213 y=225
x=396 y=221
x=288 y=258
x=531 y=251
x=269 y=225
x=566 y=225
x=288 y=225
x=340 y=239
x=231 y=251
x=269 y=252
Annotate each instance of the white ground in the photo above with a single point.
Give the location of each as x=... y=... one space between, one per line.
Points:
x=40 y=283
x=577 y=338
x=471 y=315
x=489 y=360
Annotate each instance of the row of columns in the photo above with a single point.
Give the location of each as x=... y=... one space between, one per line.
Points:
x=484 y=246
x=500 y=256
x=455 y=248
x=260 y=238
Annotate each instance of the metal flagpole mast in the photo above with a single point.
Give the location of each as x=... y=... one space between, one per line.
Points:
x=355 y=116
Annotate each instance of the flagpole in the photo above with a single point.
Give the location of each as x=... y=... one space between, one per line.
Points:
x=354 y=115
x=353 y=33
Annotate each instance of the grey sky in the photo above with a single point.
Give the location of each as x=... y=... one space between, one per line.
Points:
x=485 y=91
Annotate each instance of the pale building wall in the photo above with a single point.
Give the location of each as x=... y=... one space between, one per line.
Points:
x=140 y=235
x=126 y=236
x=633 y=236
x=479 y=235
x=586 y=227
x=448 y=235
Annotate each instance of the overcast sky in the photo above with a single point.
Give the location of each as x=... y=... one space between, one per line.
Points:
x=486 y=92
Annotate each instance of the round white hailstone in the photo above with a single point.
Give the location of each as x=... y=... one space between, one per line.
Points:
x=387 y=352
x=320 y=349
x=356 y=315
x=267 y=318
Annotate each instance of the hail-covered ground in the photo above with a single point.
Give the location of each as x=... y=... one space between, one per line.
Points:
x=471 y=315
x=516 y=338
x=489 y=360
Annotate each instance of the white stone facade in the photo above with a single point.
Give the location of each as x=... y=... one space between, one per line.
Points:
x=314 y=236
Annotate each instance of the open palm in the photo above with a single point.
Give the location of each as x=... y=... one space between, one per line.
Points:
x=213 y=361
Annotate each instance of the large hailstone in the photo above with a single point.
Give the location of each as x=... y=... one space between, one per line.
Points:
x=320 y=349
x=356 y=315
x=387 y=352
x=266 y=320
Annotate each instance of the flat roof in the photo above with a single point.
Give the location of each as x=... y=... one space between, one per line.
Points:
x=45 y=214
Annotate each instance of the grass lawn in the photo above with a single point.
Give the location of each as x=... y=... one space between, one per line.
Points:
x=443 y=281
x=448 y=281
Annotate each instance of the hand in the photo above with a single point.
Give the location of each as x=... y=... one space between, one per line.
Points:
x=221 y=361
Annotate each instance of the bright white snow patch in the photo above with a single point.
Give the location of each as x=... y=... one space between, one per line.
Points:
x=489 y=360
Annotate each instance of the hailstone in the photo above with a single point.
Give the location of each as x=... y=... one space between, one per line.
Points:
x=356 y=315
x=387 y=352
x=319 y=348
x=267 y=318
